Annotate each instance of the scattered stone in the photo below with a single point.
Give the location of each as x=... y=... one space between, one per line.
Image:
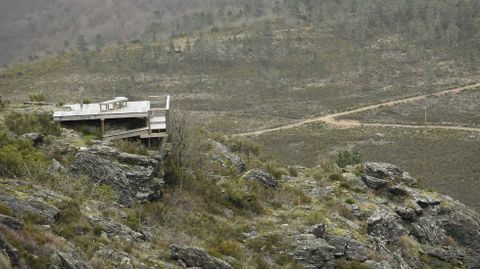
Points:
x=250 y=235
x=197 y=257
x=36 y=138
x=262 y=177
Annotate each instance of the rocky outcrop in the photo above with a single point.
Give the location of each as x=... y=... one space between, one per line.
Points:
x=43 y=212
x=132 y=176
x=262 y=177
x=11 y=222
x=73 y=261
x=116 y=230
x=388 y=172
x=313 y=252
x=386 y=225
x=197 y=257
x=11 y=253
x=226 y=158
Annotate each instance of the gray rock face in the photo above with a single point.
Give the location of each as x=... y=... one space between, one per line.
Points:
x=73 y=261
x=43 y=211
x=348 y=248
x=132 y=176
x=223 y=155
x=11 y=222
x=373 y=182
x=262 y=177
x=117 y=230
x=386 y=225
x=197 y=257
x=388 y=172
x=313 y=252
x=427 y=230
x=11 y=253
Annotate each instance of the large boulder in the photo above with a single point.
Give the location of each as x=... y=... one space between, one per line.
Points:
x=132 y=176
x=262 y=177
x=197 y=257
x=313 y=252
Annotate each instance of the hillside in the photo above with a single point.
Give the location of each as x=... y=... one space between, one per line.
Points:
x=294 y=125
x=30 y=29
x=70 y=201
x=255 y=71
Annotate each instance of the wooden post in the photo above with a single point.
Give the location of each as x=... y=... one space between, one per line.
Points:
x=102 y=126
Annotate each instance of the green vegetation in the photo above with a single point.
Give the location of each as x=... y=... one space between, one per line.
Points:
x=18 y=157
x=21 y=123
x=133 y=147
x=37 y=97
x=348 y=157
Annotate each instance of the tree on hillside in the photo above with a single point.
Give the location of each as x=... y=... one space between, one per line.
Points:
x=82 y=44
x=99 y=42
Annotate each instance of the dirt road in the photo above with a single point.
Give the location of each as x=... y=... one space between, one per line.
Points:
x=332 y=121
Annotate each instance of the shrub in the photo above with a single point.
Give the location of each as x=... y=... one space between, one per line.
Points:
x=347 y=157
x=71 y=222
x=26 y=123
x=274 y=169
x=292 y=171
x=132 y=147
x=239 y=196
x=37 y=97
x=3 y=103
x=335 y=177
x=19 y=157
x=246 y=147
x=4 y=210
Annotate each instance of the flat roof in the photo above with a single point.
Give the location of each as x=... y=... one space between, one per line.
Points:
x=92 y=111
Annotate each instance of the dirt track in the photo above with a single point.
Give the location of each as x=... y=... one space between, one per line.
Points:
x=332 y=121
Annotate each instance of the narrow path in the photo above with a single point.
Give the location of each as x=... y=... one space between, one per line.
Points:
x=331 y=118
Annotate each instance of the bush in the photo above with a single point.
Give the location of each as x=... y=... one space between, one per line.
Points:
x=132 y=147
x=347 y=157
x=19 y=157
x=37 y=97
x=236 y=193
x=27 y=123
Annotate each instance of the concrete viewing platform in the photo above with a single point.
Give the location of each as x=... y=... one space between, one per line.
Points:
x=154 y=112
